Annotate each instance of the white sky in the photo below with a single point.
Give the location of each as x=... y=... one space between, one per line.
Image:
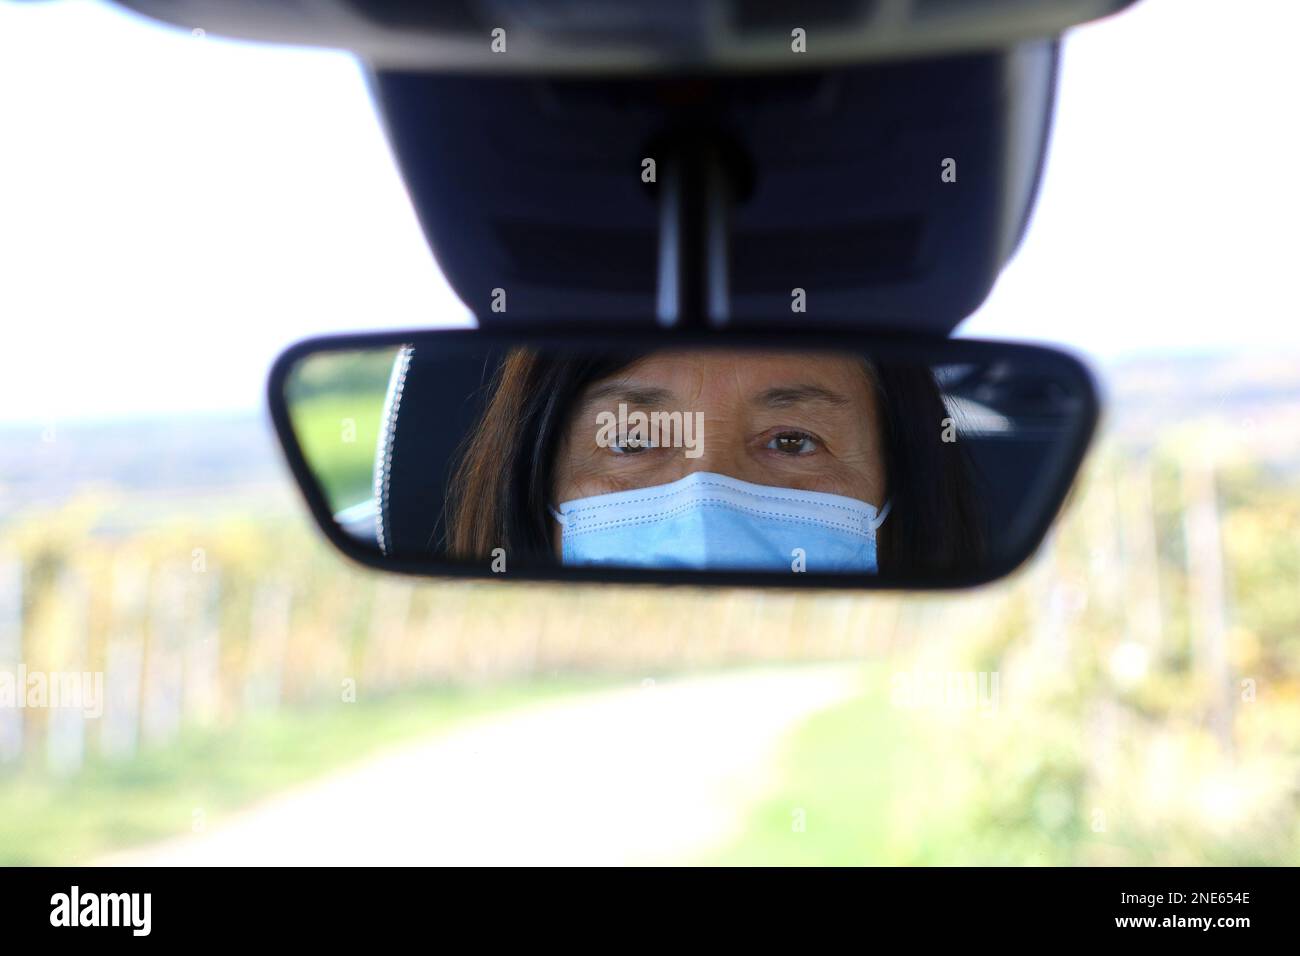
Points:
x=174 y=210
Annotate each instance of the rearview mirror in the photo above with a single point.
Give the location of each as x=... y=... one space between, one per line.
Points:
x=848 y=460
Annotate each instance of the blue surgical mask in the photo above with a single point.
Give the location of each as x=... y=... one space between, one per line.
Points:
x=714 y=522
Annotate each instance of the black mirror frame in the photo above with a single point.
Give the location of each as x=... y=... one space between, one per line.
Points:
x=904 y=346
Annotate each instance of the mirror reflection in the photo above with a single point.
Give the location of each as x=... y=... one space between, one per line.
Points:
x=685 y=459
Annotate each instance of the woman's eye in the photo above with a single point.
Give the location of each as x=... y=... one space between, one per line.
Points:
x=632 y=446
x=793 y=443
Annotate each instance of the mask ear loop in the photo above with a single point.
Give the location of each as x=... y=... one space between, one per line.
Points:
x=559 y=518
x=880 y=518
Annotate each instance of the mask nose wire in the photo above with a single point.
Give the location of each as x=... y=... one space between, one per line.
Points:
x=874 y=524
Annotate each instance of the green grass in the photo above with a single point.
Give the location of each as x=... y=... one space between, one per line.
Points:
x=835 y=782
x=336 y=401
x=868 y=783
x=338 y=433
x=112 y=806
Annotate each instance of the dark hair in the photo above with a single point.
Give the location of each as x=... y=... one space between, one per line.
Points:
x=499 y=493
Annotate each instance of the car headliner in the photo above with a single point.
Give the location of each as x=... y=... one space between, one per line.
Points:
x=533 y=186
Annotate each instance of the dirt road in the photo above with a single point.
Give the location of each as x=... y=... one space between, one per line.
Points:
x=656 y=773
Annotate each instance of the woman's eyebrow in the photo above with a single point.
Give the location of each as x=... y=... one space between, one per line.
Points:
x=784 y=396
x=628 y=394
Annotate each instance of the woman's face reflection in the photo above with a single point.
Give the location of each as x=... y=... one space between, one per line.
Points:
x=792 y=420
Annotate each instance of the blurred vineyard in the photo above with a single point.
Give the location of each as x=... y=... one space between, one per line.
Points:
x=1147 y=703
x=1148 y=661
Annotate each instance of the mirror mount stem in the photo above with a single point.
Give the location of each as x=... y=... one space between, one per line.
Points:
x=695 y=199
